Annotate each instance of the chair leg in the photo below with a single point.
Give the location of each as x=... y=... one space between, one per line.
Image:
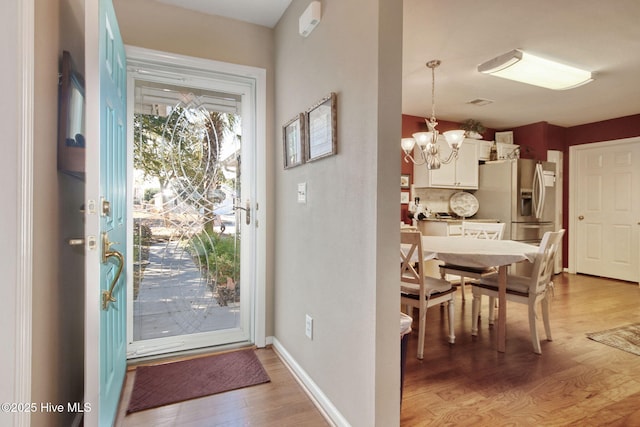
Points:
x=545 y=317
x=421 y=330
x=475 y=312
x=452 y=334
x=462 y=286
x=492 y=310
x=535 y=340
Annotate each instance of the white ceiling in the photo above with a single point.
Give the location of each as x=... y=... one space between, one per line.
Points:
x=600 y=36
x=261 y=12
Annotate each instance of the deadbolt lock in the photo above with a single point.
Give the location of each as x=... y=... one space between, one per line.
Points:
x=106 y=208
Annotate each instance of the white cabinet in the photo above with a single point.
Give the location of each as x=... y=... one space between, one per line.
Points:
x=440 y=228
x=460 y=173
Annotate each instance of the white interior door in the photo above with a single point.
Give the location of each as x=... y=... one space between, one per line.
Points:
x=606 y=210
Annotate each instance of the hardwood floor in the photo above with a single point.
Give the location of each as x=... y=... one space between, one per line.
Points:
x=576 y=381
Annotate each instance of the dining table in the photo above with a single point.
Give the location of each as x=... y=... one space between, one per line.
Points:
x=482 y=253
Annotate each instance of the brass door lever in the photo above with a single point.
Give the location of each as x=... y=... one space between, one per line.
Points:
x=107 y=252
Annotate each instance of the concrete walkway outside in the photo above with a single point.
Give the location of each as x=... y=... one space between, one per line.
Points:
x=174 y=298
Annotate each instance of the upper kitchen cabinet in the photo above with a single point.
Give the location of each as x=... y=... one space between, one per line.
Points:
x=461 y=173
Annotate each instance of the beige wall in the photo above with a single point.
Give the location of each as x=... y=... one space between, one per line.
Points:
x=335 y=256
x=47 y=329
x=58 y=283
x=153 y=25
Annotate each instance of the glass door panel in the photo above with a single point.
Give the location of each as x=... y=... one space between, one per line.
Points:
x=187 y=289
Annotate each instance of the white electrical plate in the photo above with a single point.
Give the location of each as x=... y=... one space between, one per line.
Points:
x=308 y=330
x=302 y=192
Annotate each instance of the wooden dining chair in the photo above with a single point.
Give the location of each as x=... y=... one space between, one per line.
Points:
x=523 y=289
x=476 y=230
x=420 y=291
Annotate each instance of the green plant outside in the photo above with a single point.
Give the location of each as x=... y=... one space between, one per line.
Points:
x=218 y=254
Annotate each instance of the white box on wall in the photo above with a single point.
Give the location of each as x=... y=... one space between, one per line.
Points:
x=310 y=18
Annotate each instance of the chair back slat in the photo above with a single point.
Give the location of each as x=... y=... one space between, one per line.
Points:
x=543 y=265
x=483 y=230
x=412 y=265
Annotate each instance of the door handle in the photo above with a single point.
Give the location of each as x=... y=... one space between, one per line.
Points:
x=107 y=252
x=581 y=217
x=247 y=211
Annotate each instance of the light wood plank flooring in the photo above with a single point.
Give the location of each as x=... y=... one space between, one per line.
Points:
x=575 y=381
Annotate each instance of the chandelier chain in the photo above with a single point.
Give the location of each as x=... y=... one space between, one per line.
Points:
x=433 y=94
x=433 y=64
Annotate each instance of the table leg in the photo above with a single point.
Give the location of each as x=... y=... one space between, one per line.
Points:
x=502 y=308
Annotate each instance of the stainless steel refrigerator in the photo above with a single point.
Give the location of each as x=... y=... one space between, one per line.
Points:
x=520 y=193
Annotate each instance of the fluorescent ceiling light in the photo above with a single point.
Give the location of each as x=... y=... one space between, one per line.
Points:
x=526 y=68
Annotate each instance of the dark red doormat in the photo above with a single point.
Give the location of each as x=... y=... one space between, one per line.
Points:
x=178 y=381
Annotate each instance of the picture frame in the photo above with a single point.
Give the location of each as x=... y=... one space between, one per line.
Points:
x=292 y=141
x=71 y=145
x=405 y=180
x=504 y=137
x=321 y=129
x=404 y=197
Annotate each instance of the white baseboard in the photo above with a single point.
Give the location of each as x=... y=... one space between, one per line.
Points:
x=319 y=399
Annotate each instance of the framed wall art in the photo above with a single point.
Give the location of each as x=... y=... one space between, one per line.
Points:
x=504 y=137
x=321 y=128
x=404 y=197
x=71 y=120
x=292 y=141
x=404 y=181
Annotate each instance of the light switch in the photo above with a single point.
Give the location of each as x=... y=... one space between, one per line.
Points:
x=302 y=192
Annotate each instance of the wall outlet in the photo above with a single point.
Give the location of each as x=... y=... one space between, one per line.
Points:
x=308 y=329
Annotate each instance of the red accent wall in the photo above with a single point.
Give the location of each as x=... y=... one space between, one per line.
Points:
x=608 y=130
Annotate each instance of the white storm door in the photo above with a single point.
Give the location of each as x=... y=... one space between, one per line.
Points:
x=195 y=168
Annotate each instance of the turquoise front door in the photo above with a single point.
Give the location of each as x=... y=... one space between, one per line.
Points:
x=105 y=213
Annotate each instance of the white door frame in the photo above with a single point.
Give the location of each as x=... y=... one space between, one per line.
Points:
x=557 y=157
x=17 y=359
x=258 y=132
x=573 y=179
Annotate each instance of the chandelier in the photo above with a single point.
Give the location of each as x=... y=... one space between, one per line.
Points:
x=428 y=141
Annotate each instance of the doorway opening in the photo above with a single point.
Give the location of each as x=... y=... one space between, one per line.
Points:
x=191 y=180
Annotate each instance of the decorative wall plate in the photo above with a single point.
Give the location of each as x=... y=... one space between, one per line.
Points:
x=464 y=204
